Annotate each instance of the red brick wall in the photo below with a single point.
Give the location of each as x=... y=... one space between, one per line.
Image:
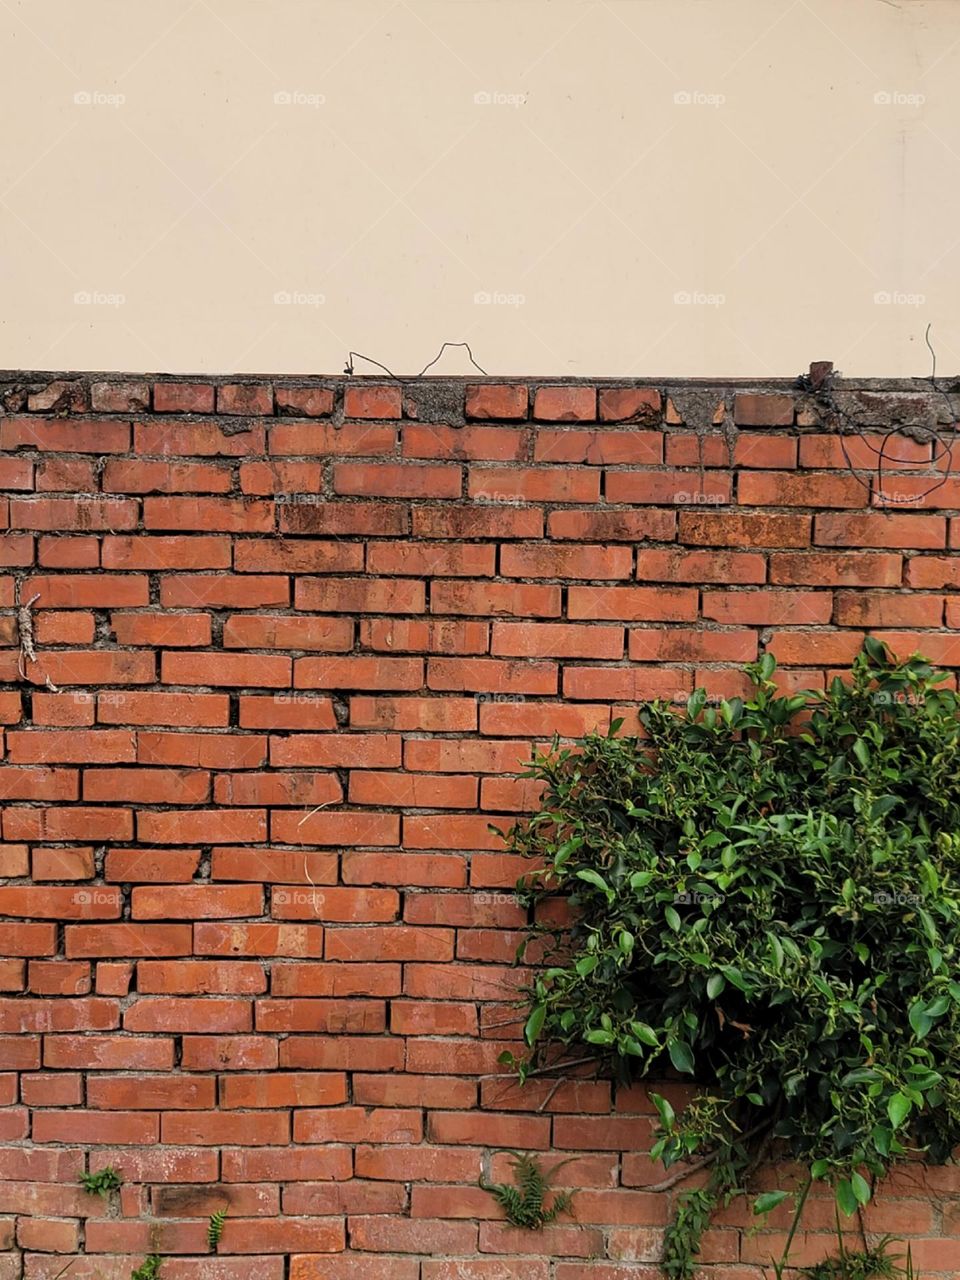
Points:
x=293 y=641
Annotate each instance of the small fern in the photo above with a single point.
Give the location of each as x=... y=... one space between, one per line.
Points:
x=215 y=1228
x=102 y=1182
x=870 y=1264
x=149 y=1270
x=524 y=1204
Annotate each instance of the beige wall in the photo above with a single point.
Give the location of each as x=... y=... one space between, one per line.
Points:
x=697 y=187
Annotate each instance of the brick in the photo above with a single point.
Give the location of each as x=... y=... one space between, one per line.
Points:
x=734 y=529
x=923 y=571
x=298 y=556
x=307 y=402
x=546 y=484
x=626 y=404
x=920 y=532
x=16 y=473
x=861 y=450
x=229 y=1053
x=296 y=788
x=200 y=977
x=444 y=870
x=463 y=444
x=424 y=559
x=666 y=604
x=263 y=670
x=358 y=595
x=631 y=684
x=336 y=904
x=160 y=552
x=327 y=828
x=169 y=629
x=182 y=397
x=372 y=402
x=281 y=478
x=556 y=640
x=427 y=635
x=49 y=903
x=58 y=474
x=150 y=1093
x=142 y=708
x=342 y=979
x=750 y=410
x=582 y=562
x=119 y=397
x=680 y=644
x=77 y=746
x=887 y=609
x=493 y=599
x=87 y=668
x=176 y=1014
x=284 y=711
x=427 y=791
x=565 y=404
x=38 y=783
x=128 y=939
x=160 y=866
x=662 y=488
x=841 y=569
x=200 y=590
x=503 y=401
x=144 y=476
x=357 y=672
x=63 y=864
x=215 y=1128
x=102 y=514
x=259 y=939
x=108 y=1053
x=788 y=489
x=676 y=565
x=245 y=398
x=209 y=515
x=597 y=448
x=293 y=1089
x=613 y=526
x=768 y=608
x=492 y=675
x=359 y=751
x=202 y=826
x=317 y=438
x=63 y=435
x=477 y=522
x=288 y=866
x=396 y=480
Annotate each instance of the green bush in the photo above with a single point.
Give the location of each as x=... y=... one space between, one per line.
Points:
x=765 y=900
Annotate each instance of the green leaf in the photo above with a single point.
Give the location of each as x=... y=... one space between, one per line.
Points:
x=594 y=878
x=769 y=1200
x=534 y=1024
x=860 y=1188
x=667 y=1115
x=715 y=984
x=846 y=1199
x=599 y=1036
x=681 y=1055
x=646 y=1035
x=898 y=1108
x=920 y=1020
x=672 y=918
